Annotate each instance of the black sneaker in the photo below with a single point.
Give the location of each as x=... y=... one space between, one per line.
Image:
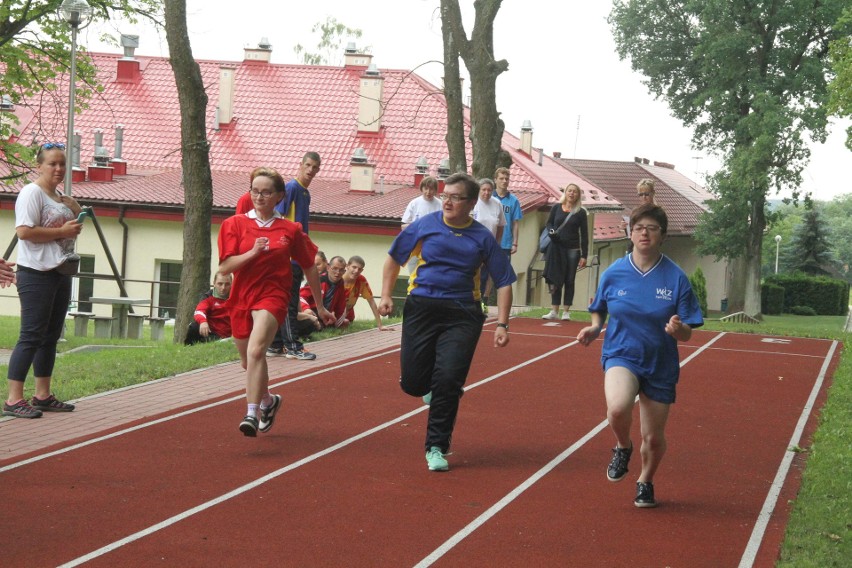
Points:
x=51 y=404
x=267 y=415
x=301 y=354
x=645 y=495
x=249 y=426
x=21 y=409
x=618 y=466
x=275 y=351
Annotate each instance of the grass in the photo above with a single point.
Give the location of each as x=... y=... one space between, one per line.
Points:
x=818 y=534
x=86 y=372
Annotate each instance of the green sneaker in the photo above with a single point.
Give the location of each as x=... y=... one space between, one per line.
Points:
x=435 y=460
x=427 y=398
x=485 y=309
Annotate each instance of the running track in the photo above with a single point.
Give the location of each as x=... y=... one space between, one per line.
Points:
x=341 y=479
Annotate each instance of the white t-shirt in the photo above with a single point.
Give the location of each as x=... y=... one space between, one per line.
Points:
x=418 y=207
x=33 y=208
x=490 y=214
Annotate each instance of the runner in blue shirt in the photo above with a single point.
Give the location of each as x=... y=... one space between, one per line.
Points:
x=442 y=317
x=651 y=307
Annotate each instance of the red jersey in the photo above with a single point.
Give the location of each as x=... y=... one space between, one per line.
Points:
x=358 y=289
x=213 y=311
x=244 y=203
x=266 y=279
x=334 y=297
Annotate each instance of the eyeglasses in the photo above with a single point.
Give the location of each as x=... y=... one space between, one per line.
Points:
x=336 y=269
x=646 y=228
x=644 y=194
x=264 y=194
x=454 y=197
x=52 y=145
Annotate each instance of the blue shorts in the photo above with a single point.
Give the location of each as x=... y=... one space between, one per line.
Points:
x=658 y=389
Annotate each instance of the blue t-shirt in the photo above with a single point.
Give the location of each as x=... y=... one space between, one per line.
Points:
x=640 y=305
x=296 y=204
x=450 y=258
x=512 y=212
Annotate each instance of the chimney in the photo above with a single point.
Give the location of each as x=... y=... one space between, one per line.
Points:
x=557 y=155
x=100 y=170
x=227 y=85
x=443 y=173
x=526 y=138
x=351 y=57
x=260 y=54
x=370 y=100
x=420 y=170
x=119 y=166
x=128 y=66
x=6 y=103
x=78 y=174
x=664 y=165
x=362 y=172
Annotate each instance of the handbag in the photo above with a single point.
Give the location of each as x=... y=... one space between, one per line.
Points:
x=70 y=266
x=544 y=237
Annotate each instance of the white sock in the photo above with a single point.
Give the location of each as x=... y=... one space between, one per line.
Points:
x=266 y=402
x=252 y=410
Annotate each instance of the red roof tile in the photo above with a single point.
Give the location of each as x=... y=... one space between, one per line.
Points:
x=281 y=111
x=619 y=179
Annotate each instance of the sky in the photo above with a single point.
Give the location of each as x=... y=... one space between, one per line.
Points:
x=564 y=74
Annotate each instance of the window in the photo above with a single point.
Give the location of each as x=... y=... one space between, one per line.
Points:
x=168 y=288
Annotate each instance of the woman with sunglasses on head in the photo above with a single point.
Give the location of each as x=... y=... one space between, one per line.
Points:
x=46 y=226
x=651 y=307
x=569 y=246
x=442 y=317
x=258 y=247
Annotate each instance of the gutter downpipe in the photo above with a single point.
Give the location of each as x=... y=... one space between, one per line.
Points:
x=125 y=229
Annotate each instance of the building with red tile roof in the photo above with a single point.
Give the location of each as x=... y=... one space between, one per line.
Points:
x=371 y=126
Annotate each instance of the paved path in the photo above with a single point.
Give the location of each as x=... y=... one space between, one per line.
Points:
x=112 y=409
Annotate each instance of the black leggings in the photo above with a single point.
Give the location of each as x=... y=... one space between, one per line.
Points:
x=44 y=302
x=570 y=274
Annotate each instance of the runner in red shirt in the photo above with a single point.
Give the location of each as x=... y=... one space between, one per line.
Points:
x=257 y=248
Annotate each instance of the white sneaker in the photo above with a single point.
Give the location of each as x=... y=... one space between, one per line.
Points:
x=566 y=316
x=551 y=315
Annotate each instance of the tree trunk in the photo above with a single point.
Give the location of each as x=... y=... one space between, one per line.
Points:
x=478 y=54
x=453 y=90
x=754 y=250
x=195 y=163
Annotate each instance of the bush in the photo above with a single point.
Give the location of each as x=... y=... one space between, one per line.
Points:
x=802 y=311
x=699 y=288
x=827 y=296
x=771 y=299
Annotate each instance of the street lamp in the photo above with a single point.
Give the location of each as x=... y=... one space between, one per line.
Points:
x=78 y=14
x=777 y=245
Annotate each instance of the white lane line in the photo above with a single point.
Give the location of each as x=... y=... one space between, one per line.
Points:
x=185 y=413
x=765 y=514
x=277 y=473
x=450 y=543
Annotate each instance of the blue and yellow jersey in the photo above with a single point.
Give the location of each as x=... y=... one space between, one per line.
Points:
x=450 y=258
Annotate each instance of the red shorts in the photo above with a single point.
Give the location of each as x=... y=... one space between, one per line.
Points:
x=242 y=321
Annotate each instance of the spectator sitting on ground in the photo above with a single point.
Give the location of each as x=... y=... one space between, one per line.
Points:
x=333 y=293
x=321 y=263
x=356 y=286
x=212 y=320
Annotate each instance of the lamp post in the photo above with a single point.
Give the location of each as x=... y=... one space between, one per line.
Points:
x=777 y=245
x=78 y=15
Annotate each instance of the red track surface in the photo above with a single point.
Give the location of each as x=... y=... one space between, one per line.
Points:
x=163 y=494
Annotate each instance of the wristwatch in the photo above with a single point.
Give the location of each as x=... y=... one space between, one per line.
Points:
x=504 y=326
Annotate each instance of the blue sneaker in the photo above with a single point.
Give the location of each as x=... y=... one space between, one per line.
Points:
x=435 y=460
